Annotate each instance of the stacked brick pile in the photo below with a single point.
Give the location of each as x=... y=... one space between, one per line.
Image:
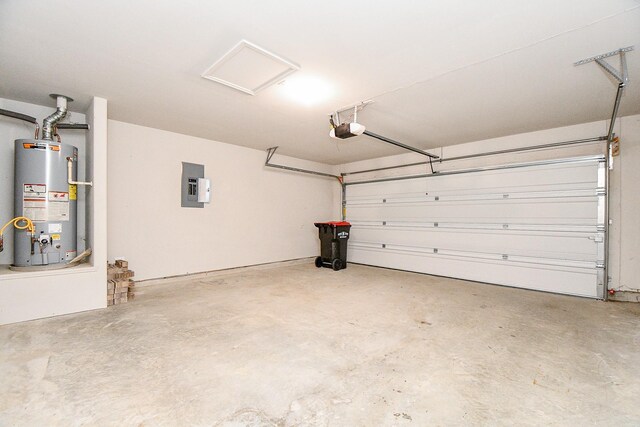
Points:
x=120 y=287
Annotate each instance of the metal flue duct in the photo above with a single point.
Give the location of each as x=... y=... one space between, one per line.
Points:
x=61 y=111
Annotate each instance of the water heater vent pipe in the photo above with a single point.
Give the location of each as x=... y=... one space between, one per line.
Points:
x=61 y=111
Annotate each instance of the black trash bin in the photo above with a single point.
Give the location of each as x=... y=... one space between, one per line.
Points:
x=333 y=244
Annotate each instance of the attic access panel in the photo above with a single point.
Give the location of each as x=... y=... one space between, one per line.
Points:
x=249 y=68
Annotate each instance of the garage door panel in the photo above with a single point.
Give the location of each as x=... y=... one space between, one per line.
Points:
x=583 y=188
x=508 y=195
x=554 y=177
x=481 y=225
x=499 y=211
x=391 y=187
x=570 y=246
x=564 y=280
x=537 y=226
x=551 y=175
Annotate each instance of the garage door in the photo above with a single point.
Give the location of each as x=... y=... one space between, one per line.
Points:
x=536 y=225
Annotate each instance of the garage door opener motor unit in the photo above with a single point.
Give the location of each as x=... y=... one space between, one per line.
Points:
x=45 y=195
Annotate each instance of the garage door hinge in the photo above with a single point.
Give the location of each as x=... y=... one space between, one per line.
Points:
x=599 y=264
x=601 y=192
x=505 y=257
x=601 y=228
x=596 y=239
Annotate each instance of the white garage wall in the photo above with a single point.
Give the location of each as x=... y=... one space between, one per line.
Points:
x=257 y=215
x=624 y=263
x=625 y=209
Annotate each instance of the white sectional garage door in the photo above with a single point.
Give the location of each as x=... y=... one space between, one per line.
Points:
x=536 y=226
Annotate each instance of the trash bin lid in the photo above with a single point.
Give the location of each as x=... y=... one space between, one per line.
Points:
x=333 y=223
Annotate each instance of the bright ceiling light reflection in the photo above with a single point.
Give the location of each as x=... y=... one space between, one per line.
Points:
x=306 y=90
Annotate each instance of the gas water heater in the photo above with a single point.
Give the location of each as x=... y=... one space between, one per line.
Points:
x=45 y=194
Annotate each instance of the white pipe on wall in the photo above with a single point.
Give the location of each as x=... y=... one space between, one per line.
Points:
x=70 y=175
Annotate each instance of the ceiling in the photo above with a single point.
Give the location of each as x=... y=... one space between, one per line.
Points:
x=440 y=72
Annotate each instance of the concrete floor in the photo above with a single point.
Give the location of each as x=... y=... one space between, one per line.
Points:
x=299 y=346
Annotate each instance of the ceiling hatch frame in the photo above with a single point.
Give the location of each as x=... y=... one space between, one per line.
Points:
x=244 y=46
